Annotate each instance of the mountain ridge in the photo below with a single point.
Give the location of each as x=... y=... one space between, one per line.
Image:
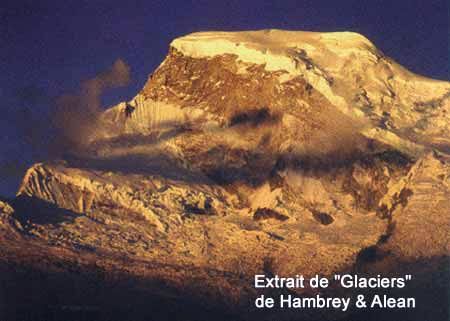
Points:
x=223 y=167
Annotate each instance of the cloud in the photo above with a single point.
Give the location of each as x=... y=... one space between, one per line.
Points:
x=76 y=116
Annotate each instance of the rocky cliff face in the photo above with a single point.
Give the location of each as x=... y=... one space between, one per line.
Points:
x=250 y=152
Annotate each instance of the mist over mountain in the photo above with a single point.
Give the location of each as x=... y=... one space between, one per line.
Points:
x=256 y=152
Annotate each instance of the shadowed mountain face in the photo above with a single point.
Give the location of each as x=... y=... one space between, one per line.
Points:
x=265 y=152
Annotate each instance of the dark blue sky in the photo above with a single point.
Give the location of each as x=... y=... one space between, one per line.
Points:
x=48 y=47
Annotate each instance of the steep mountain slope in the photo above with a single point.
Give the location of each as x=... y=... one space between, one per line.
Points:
x=299 y=74
x=269 y=151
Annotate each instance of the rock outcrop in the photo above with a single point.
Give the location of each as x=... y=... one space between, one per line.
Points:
x=269 y=152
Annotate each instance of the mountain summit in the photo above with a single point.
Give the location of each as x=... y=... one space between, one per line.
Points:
x=258 y=152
